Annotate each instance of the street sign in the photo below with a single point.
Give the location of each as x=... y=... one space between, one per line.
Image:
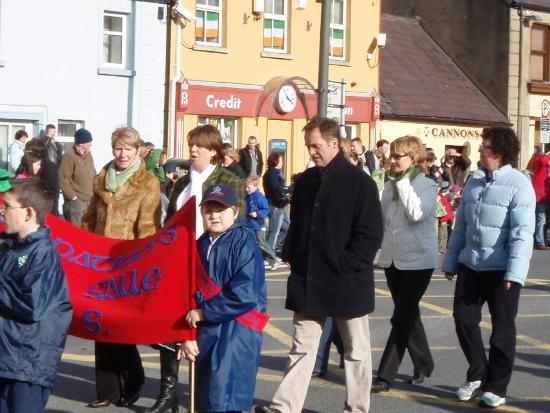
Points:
x=545 y=108
x=545 y=130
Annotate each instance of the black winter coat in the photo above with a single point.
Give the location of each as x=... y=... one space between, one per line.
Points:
x=335 y=232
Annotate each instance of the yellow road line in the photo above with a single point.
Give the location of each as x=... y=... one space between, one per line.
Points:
x=278 y=335
x=442 y=310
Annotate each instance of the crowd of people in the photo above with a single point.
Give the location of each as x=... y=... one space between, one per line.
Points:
x=397 y=202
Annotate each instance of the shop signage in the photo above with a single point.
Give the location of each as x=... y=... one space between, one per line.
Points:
x=184 y=94
x=443 y=132
x=545 y=130
x=210 y=100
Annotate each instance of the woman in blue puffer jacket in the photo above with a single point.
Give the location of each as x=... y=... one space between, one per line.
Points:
x=490 y=249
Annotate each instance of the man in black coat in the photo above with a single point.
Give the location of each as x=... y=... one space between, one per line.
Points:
x=335 y=231
x=251 y=159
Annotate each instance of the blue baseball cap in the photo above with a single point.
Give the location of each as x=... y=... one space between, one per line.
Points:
x=222 y=194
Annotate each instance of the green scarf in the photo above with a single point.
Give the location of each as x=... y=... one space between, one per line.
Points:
x=115 y=179
x=410 y=173
x=152 y=164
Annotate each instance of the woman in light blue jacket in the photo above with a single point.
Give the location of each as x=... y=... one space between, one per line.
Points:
x=490 y=249
x=408 y=256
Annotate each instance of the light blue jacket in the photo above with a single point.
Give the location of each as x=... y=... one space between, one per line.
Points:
x=494 y=225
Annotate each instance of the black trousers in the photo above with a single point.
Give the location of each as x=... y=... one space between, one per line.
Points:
x=472 y=290
x=118 y=370
x=407 y=288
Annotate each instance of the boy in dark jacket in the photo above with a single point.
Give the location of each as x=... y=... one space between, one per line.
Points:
x=257 y=210
x=35 y=311
x=232 y=303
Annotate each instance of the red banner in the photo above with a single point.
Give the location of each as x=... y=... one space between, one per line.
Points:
x=134 y=292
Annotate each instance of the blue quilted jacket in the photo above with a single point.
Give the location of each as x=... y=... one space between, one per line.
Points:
x=494 y=225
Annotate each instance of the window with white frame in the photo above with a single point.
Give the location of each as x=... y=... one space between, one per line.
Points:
x=115 y=39
x=208 y=23
x=226 y=126
x=65 y=132
x=275 y=25
x=338 y=30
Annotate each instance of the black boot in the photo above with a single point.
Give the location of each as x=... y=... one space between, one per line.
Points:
x=167 y=399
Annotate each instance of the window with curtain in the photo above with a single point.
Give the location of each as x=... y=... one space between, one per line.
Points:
x=208 y=23
x=275 y=25
x=539 y=53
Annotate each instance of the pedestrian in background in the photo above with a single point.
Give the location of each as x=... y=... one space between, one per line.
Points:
x=53 y=148
x=490 y=249
x=76 y=174
x=251 y=158
x=231 y=163
x=455 y=167
x=539 y=169
x=125 y=205
x=409 y=257
x=48 y=170
x=17 y=149
x=29 y=167
x=278 y=195
x=257 y=211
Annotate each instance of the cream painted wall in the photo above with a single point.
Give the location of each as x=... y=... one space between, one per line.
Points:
x=391 y=130
x=242 y=61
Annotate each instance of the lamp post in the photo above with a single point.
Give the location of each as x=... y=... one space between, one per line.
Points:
x=322 y=91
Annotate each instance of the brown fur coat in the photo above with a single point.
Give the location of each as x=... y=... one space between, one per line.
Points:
x=133 y=211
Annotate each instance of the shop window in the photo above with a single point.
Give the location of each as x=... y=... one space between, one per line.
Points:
x=226 y=126
x=338 y=30
x=275 y=26
x=115 y=40
x=208 y=25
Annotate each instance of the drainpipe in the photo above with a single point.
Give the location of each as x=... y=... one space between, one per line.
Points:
x=173 y=81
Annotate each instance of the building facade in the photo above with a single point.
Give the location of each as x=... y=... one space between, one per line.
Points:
x=252 y=69
x=97 y=64
x=529 y=68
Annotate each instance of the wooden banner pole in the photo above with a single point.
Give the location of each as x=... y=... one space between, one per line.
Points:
x=192 y=387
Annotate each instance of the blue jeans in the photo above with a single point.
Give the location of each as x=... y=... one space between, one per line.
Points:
x=540 y=213
x=278 y=226
x=330 y=335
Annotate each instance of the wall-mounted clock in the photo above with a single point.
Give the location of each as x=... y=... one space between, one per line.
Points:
x=286 y=99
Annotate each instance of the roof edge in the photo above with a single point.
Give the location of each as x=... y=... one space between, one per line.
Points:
x=440 y=119
x=527 y=5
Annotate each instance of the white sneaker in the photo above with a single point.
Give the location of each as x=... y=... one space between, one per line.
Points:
x=276 y=266
x=468 y=390
x=491 y=400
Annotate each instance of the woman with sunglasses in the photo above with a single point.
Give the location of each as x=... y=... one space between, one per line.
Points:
x=408 y=256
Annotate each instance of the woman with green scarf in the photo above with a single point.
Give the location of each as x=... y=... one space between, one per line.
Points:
x=125 y=205
x=408 y=256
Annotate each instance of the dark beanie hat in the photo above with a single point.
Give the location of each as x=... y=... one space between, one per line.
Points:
x=82 y=136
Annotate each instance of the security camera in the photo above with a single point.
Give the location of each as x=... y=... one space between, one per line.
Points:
x=183 y=12
x=381 y=40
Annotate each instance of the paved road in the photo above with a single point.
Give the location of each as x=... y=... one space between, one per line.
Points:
x=528 y=392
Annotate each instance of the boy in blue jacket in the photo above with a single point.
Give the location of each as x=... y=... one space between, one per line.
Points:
x=35 y=311
x=232 y=308
x=257 y=210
